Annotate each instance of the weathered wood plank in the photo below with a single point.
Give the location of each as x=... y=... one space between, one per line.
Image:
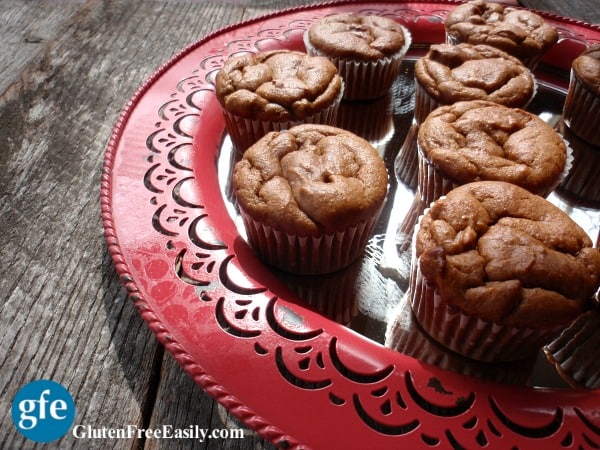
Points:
x=586 y=10
x=65 y=314
x=25 y=29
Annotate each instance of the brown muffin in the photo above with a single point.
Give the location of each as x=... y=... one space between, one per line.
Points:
x=275 y=90
x=452 y=73
x=581 y=111
x=583 y=181
x=498 y=271
x=310 y=196
x=367 y=50
x=480 y=140
x=576 y=352
x=516 y=31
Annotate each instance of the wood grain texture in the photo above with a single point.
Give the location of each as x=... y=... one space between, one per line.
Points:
x=25 y=31
x=67 y=68
x=585 y=10
x=66 y=315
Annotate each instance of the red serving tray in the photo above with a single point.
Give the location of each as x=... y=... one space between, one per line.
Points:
x=298 y=378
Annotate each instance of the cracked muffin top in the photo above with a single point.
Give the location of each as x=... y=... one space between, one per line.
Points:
x=311 y=179
x=481 y=140
x=358 y=37
x=587 y=68
x=518 y=32
x=498 y=252
x=277 y=85
x=452 y=73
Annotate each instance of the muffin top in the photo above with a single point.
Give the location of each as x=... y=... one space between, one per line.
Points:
x=519 y=32
x=310 y=179
x=277 y=85
x=587 y=68
x=452 y=73
x=498 y=252
x=481 y=140
x=353 y=36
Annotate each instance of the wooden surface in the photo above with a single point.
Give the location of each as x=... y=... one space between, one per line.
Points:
x=67 y=68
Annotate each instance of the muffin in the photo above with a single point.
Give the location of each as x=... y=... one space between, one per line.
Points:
x=583 y=181
x=581 y=110
x=480 y=140
x=367 y=50
x=451 y=73
x=576 y=352
x=275 y=90
x=309 y=197
x=498 y=271
x=516 y=31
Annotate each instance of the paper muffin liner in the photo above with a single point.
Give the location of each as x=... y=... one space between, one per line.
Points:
x=469 y=335
x=404 y=334
x=406 y=164
x=406 y=228
x=583 y=181
x=244 y=132
x=308 y=255
x=581 y=111
x=529 y=61
x=366 y=79
x=576 y=351
x=433 y=183
x=425 y=103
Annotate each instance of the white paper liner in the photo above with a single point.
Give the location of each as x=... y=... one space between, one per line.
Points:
x=582 y=180
x=433 y=183
x=468 y=335
x=424 y=103
x=406 y=164
x=581 y=111
x=245 y=132
x=366 y=79
x=308 y=255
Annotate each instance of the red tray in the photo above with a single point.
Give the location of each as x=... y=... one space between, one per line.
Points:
x=286 y=370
